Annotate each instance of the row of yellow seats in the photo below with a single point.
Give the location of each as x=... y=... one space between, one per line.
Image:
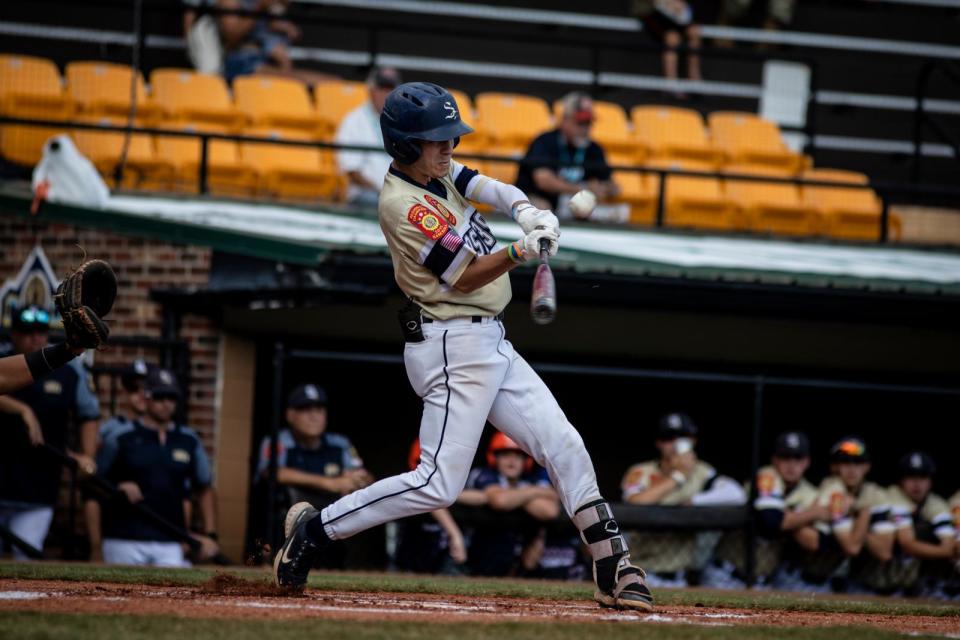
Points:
x=750 y=205
x=172 y=163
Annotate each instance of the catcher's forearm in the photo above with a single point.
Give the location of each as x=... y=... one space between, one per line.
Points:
x=14 y=373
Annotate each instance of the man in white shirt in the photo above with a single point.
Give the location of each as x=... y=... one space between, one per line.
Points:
x=366 y=169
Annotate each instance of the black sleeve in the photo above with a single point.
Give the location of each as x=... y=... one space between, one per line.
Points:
x=542 y=153
x=596 y=162
x=769 y=522
x=466 y=175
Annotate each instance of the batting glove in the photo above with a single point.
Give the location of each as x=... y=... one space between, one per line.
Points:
x=530 y=218
x=531 y=243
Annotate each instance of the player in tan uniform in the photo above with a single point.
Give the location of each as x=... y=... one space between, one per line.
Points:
x=858 y=523
x=678 y=477
x=457 y=357
x=785 y=502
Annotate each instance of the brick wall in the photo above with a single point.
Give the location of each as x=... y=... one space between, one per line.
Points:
x=141 y=265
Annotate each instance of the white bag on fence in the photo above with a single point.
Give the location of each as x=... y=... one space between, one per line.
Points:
x=203 y=46
x=69 y=176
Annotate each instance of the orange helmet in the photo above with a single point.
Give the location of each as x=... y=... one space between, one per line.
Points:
x=502 y=442
x=414 y=458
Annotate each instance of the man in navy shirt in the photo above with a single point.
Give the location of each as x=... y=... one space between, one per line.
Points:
x=511 y=481
x=158 y=462
x=31 y=416
x=561 y=162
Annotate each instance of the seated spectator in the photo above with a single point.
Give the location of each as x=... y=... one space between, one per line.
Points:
x=42 y=413
x=785 y=502
x=511 y=482
x=561 y=162
x=202 y=36
x=366 y=169
x=314 y=465
x=678 y=477
x=260 y=45
x=429 y=542
x=858 y=520
x=670 y=22
x=924 y=539
x=157 y=462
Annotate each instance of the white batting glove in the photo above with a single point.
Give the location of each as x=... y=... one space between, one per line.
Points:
x=531 y=243
x=530 y=218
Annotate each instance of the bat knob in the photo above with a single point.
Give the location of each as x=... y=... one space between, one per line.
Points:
x=544 y=247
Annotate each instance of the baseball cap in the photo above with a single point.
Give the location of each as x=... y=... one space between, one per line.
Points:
x=161 y=383
x=792 y=444
x=578 y=106
x=849 y=450
x=30 y=318
x=917 y=463
x=135 y=373
x=384 y=78
x=307 y=395
x=676 y=425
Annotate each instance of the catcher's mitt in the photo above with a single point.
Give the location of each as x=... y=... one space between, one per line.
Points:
x=83 y=298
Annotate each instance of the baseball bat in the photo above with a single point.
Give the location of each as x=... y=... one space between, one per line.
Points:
x=543 y=300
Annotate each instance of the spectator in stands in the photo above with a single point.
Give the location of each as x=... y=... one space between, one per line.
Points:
x=202 y=36
x=776 y=14
x=561 y=162
x=37 y=415
x=859 y=519
x=159 y=463
x=366 y=169
x=132 y=381
x=313 y=464
x=678 y=477
x=670 y=22
x=510 y=482
x=260 y=45
x=924 y=534
x=785 y=501
x=429 y=542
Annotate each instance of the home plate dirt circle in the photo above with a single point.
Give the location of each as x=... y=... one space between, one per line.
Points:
x=230 y=597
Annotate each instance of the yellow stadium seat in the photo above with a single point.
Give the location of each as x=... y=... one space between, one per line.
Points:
x=501 y=170
x=334 y=100
x=636 y=189
x=611 y=129
x=508 y=120
x=275 y=102
x=851 y=214
x=23 y=145
x=226 y=172
x=186 y=96
x=473 y=142
x=694 y=201
x=31 y=88
x=773 y=207
x=672 y=132
x=465 y=104
x=303 y=173
x=746 y=138
x=144 y=169
x=103 y=89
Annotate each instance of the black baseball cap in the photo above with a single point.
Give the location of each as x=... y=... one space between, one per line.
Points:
x=307 y=395
x=849 y=449
x=161 y=383
x=676 y=425
x=134 y=374
x=384 y=78
x=30 y=318
x=917 y=464
x=792 y=444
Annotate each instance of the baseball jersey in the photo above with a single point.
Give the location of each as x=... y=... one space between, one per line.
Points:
x=665 y=552
x=434 y=233
x=954 y=504
x=331 y=458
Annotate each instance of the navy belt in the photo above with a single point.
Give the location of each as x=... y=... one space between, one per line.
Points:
x=476 y=319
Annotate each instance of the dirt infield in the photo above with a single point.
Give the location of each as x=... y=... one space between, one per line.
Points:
x=226 y=596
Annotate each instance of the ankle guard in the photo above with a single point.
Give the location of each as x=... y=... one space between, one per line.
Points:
x=601 y=533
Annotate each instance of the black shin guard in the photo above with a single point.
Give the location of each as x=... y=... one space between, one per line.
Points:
x=601 y=533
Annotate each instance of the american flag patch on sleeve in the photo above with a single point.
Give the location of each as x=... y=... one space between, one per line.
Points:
x=451 y=242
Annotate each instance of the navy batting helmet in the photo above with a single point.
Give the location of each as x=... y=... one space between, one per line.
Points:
x=419 y=111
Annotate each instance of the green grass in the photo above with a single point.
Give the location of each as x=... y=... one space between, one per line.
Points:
x=484 y=587
x=37 y=626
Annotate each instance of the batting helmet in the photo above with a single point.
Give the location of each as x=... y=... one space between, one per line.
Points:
x=419 y=111
x=501 y=442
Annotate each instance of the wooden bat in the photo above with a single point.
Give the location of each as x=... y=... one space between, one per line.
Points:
x=543 y=300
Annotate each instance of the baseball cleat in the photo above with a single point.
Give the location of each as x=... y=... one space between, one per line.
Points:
x=298 y=553
x=631 y=591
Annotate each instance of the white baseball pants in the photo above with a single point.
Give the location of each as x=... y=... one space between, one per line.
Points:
x=143 y=553
x=467 y=372
x=29 y=524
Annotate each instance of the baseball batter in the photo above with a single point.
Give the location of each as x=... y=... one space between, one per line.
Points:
x=457 y=357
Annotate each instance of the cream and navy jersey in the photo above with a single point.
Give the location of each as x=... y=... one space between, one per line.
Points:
x=954 y=504
x=933 y=514
x=641 y=476
x=844 y=505
x=434 y=233
x=775 y=499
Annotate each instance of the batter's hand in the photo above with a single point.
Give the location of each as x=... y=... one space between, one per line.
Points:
x=530 y=218
x=531 y=243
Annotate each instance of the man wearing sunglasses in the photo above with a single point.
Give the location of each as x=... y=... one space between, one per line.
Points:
x=28 y=366
x=39 y=412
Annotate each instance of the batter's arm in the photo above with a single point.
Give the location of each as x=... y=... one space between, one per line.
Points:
x=483 y=270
